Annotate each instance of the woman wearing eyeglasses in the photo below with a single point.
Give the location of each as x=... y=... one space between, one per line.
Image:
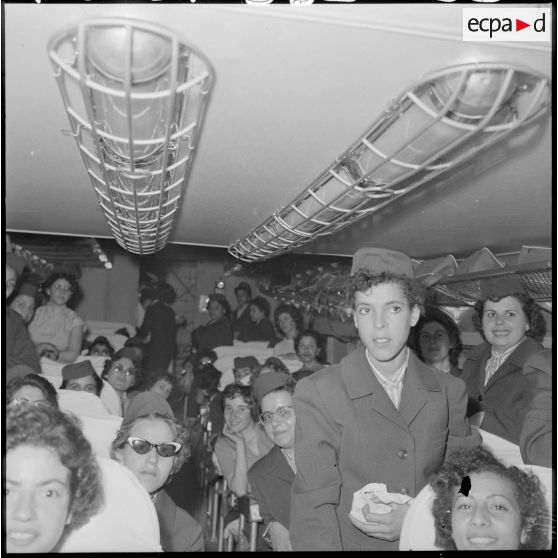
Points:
x=55 y=322
x=120 y=375
x=154 y=446
x=272 y=476
x=33 y=389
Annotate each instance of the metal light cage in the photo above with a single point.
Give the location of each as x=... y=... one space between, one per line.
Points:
x=135 y=96
x=443 y=120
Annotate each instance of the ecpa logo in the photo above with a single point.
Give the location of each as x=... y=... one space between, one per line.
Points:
x=506 y=24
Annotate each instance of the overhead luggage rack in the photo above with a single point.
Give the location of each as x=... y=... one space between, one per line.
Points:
x=457 y=290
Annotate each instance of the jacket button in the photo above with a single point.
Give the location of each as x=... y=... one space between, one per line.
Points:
x=480 y=397
x=402 y=454
x=404 y=491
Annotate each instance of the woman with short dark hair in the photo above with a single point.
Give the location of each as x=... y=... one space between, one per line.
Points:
x=288 y=324
x=512 y=326
x=436 y=341
x=121 y=373
x=218 y=331
x=261 y=328
x=243 y=441
x=55 y=322
x=52 y=481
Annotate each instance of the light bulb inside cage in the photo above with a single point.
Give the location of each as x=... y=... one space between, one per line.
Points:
x=440 y=122
x=135 y=96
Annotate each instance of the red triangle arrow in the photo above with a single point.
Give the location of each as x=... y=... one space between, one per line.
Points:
x=519 y=25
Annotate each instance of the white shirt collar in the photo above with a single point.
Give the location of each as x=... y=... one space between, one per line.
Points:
x=399 y=373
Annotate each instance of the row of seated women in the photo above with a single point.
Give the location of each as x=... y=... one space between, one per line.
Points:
x=53 y=477
x=250 y=321
x=53 y=483
x=58 y=332
x=512 y=326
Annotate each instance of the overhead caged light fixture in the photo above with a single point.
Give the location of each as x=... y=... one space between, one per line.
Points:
x=441 y=121
x=135 y=96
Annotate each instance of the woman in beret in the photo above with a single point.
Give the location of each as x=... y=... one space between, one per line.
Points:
x=309 y=348
x=513 y=327
x=154 y=445
x=81 y=376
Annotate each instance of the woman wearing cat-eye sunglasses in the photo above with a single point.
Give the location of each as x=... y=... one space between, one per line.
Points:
x=154 y=446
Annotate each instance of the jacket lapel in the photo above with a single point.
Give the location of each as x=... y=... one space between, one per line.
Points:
x=366 y=391
x=279 y=466
x=515 y=360
x=418 y=379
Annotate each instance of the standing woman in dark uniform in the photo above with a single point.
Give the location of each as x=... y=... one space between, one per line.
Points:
x=513 y=327
x=159 y=328
x=240 y=318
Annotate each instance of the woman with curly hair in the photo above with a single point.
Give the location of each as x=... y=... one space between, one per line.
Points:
x=55 y=322
x=436 y=341
x=483 y=505
x=513 y=328
x=52 y=481
x=32 y=388
x=288 y=323
x=154 y=445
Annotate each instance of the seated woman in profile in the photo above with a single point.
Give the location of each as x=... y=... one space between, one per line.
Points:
x=261 y=329
x=121 y=374
x=483 y=505
x=436 y=341
x=32 y=388
x=154 y=446
x=81 y=376
x=55 y=322
x=52 y=481
x=309 y=348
